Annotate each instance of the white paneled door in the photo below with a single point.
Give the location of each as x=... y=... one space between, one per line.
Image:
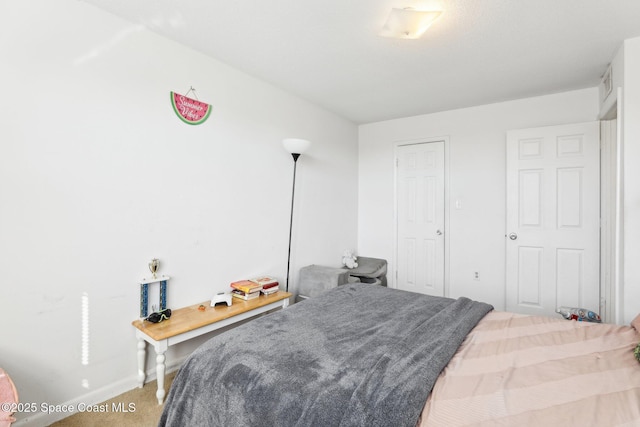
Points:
x=553 y=218
x=420 y=217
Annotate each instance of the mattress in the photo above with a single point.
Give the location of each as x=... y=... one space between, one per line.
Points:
x=517 y=370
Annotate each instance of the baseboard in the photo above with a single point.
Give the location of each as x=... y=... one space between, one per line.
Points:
x=94 y=397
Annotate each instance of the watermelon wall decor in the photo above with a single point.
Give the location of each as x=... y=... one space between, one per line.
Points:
x=190 y=110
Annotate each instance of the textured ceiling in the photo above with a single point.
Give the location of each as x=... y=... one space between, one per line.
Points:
x=329 y=51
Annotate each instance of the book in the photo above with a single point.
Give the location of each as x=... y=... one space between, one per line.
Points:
x=264 y=280
x=270 y=285
x=243 y=295
x=270 y=291
x=246 y=286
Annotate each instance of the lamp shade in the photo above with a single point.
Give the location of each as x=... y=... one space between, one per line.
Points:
x=408 y=23
x=296 y=145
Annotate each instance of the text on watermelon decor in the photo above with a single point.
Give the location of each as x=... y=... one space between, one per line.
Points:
x=190 y=111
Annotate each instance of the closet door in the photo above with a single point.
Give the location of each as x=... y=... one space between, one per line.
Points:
x=420 y=217
x=553 y=218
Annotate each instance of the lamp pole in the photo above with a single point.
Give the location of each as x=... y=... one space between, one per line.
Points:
x=293 y=193
x=295 y=147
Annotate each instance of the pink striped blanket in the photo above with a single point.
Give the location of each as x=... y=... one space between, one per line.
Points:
x=516 y=370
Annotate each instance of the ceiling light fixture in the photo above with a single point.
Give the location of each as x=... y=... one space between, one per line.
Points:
x=409 y=23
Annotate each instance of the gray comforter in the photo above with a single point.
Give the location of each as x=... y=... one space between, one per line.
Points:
x=359 y=355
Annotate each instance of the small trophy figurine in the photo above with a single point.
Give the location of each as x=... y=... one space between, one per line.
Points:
x=153 y=267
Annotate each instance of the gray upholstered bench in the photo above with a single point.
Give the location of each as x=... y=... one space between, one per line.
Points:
x=316 y=279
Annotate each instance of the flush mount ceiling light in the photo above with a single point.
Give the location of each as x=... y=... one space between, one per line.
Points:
x=408 y=23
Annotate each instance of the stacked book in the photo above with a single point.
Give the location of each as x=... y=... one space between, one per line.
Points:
x=246 y=290
x=268 y=283
x=250 y=289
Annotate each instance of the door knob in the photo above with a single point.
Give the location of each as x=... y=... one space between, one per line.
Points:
x=513 y=236
x=439 y=233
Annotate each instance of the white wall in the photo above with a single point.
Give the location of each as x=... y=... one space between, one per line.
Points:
x=98 y=176
x=625 y=67
x=631 y=171
x=476 y=177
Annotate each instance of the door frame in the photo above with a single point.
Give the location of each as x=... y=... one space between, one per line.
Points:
x=608 y=220
x=612 y=220
x=396 y=144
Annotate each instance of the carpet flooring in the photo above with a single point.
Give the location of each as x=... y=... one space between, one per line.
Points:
x=135 y=408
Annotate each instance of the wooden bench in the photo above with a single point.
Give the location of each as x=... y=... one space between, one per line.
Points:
x=190 y=322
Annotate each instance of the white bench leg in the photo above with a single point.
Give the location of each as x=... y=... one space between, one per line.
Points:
x=142 y=356
x=160 y=368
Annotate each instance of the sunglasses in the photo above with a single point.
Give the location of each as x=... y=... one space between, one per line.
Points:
x=159 y=316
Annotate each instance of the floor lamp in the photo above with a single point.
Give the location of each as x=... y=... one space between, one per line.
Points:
x=295 y=146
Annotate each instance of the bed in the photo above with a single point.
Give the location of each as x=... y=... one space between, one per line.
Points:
x=362 y=355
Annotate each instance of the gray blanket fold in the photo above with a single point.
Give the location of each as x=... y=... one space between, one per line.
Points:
x=358 y=355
